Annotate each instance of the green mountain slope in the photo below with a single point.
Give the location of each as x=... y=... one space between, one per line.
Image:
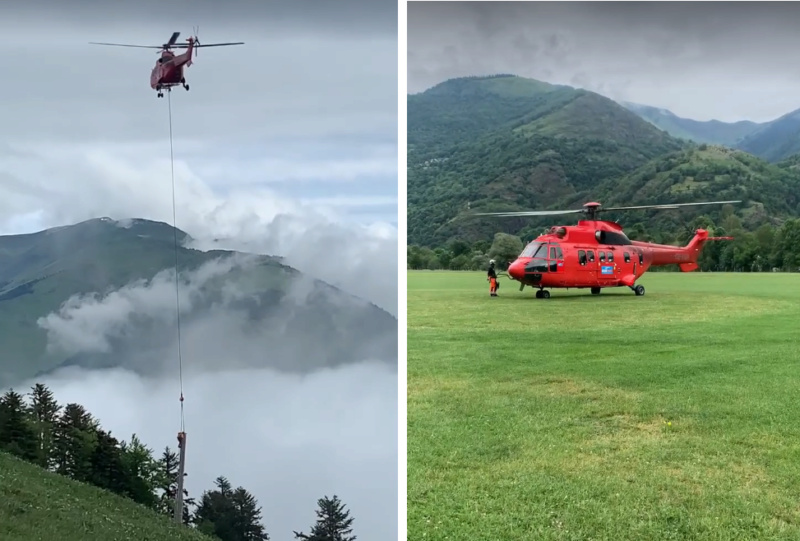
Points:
x=584 y=148
x=776 y=140
x=39 y=505
x=711 y=131
x=271 y=303
x=504 y=141
x=772 y=141
x=769 y=194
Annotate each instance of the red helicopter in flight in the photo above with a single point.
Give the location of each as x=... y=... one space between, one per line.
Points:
x=597 y=254
x=168 y=71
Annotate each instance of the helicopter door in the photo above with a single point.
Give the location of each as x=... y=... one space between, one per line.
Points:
x=586 y=267
x=606 y=267
x=628 y=263
x=556 y=259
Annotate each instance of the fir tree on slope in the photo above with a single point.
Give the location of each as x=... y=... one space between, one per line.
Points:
x=230 y=514
x=334 y=522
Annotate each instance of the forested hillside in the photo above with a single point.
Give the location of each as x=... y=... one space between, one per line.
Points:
x=62 y=476
x=709 y=131
x=484 y=144
x=772 y=141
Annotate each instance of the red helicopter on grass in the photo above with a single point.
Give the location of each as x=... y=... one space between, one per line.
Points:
x=168 y=71
x=596 y=253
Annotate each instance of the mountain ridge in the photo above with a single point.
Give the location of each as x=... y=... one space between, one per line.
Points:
x=561 y=147
x=773 y=140
x=54 y=281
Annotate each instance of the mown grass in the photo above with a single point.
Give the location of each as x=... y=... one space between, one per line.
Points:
x=668 y=416
x=36 y=505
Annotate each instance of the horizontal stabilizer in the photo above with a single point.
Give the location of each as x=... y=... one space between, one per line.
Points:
x=688 y=267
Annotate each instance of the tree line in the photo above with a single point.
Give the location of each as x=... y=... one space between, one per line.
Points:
x=769 y=248
x=69 y=441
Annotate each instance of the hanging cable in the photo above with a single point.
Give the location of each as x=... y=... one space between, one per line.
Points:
x=175 y=231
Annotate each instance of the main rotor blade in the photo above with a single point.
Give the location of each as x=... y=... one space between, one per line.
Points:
x=208 y=45
x=528 y=213
x=126 y=45
x=666 y=206
x=173 y=38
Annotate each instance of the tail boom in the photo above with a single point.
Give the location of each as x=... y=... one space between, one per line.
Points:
x=683 y=256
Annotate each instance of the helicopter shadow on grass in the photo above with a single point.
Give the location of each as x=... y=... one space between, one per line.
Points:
x=555 y=297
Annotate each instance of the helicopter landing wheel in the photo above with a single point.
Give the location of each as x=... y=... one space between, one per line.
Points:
x=595 y=291
x=639 y=290
x=542 y=294
x=186 y=87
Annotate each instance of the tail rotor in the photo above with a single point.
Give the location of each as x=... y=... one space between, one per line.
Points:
x=196 y=31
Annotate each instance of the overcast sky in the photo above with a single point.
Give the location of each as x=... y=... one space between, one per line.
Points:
x=702 y=60
x=285 y=145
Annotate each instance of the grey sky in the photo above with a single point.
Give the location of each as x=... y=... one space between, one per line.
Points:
x=725 y=60
x=306 y=108
x=289 y=435
x=286 y=145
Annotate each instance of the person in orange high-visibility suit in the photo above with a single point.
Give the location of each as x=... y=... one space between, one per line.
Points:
x=492 y=277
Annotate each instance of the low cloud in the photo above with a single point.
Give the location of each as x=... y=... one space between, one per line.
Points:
x=84 y=323
x=316 y=238
x=287 y=438
x=264 y=405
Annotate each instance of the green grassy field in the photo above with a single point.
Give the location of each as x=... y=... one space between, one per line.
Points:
x=669 y=416
x=36 y=505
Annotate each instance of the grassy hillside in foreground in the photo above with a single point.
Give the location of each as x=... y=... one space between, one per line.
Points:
x=504 y=141
x=39 y=272
x=36 y=505
x=609 y=417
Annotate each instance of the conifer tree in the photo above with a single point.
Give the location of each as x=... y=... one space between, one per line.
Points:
x=107 y=468
x=231 y=515
x=334 y=522
x=17 y=435
x=74 y=440
x=44 y=411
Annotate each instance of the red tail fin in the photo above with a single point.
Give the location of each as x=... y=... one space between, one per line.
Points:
x=694 y=248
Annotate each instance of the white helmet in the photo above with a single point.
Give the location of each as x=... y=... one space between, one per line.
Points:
x=491 y=261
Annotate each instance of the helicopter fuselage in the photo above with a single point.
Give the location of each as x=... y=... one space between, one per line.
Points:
x=596 y=254
x=168 y=71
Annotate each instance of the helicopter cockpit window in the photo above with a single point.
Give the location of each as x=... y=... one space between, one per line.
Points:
x=641 y=258
x=590 y=254
x=535 y=249
x=609 y=256
x=582 y=257
x=601 y=256
x=627 y=257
